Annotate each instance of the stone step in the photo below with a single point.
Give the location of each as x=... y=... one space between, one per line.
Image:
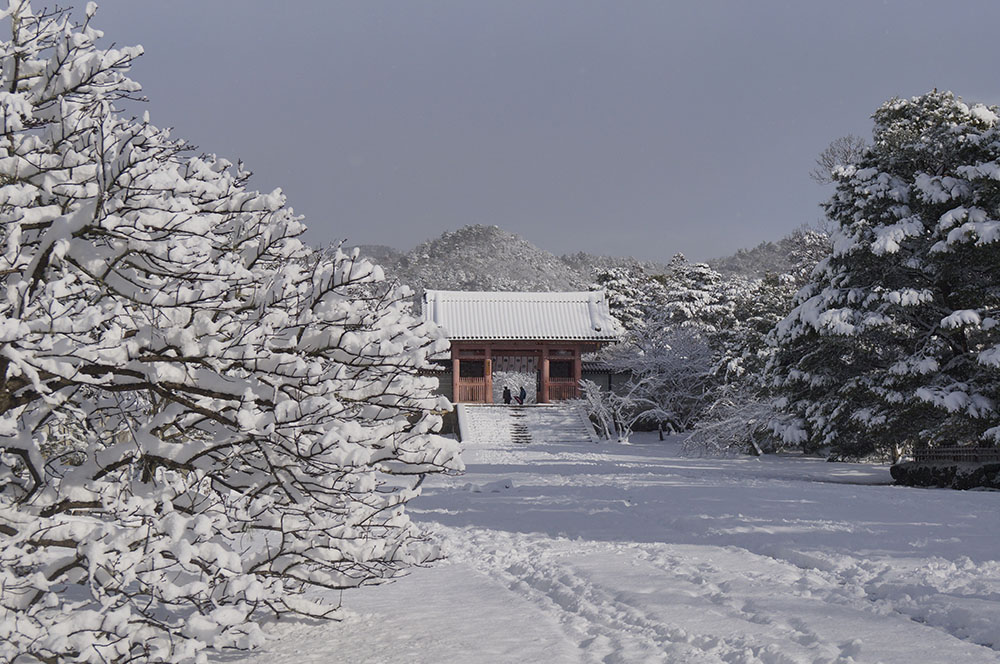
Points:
x=557 y=423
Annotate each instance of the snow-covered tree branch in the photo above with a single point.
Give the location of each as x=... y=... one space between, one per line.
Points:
x=200 y=418
x=669 y=371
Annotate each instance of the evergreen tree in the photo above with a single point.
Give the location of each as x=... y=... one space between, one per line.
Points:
x=758 y=305
x=633 y=295
x=895 y=342
x=694 y=296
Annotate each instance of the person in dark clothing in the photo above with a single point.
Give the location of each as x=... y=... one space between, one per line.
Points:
x=522 y=396
x=506 y=395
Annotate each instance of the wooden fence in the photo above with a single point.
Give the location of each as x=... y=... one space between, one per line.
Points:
x=970 y=454
x=472 y=390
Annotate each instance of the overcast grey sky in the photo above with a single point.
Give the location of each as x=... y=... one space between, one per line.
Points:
x=627 y=128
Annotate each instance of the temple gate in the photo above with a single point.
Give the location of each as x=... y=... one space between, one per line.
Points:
x=500 y=338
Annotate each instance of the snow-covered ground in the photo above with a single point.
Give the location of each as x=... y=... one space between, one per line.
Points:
x=575 y=552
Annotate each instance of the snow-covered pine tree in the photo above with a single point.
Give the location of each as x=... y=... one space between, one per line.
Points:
x=694 y=295
x=632 y=294
x=805 y=248
x=741 y=415
x=198 y=416
x=895 y=343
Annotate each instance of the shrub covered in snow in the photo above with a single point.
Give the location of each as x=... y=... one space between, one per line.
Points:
x=895 y=343
x=669 y=374
x=197 y=414
x=953 y=475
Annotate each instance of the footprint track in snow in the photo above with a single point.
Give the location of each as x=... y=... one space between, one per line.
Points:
x=858 y=583
x=608 y=623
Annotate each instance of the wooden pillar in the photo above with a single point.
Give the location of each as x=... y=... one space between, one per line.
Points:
x=455 y=373
x=577 y=372
x=488 y=374
x=545 y=374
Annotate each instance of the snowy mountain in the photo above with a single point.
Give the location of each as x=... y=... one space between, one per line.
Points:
x=381 y=254
x=786 y=256
x=483 y=257
x=588 y=264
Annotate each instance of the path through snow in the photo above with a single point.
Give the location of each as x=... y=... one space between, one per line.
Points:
x=611 y=553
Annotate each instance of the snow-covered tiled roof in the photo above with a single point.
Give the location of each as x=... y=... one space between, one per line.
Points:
x=470 y=315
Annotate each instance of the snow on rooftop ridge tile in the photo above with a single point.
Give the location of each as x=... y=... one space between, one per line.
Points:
x=488 y=315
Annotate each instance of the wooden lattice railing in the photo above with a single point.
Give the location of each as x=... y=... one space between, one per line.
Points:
x=561 y=389
x=473 y=390
x=972 y=454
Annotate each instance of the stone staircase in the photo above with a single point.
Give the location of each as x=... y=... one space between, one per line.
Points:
x=559 y=423
x=483 y=422
x=537 y=423
x=518 y=426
